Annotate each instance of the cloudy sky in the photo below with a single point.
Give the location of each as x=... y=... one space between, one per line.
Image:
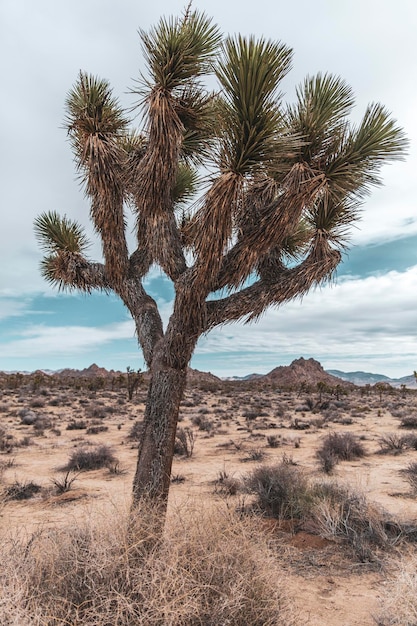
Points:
x=367 y=320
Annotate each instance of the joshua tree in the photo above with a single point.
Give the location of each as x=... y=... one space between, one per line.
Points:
x=133 y=381
x=280 y=186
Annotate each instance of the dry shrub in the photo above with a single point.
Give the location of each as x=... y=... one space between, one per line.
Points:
x=273 y=441
x=84 y=459
x=399 y=600
x=95 y=430
x=210 y=568
x=77 y=425
x=337 y=447
x=392 y=443
x=7 y=441
x=226 y=484
x=410 y=473
x=408 y=421
x=255 y=454
x=135 y=433
x=203 y=423
x=63 y=485
x=184 y=442
x=21 y=490
x=328 y=509
x=340 y=512
x=281 y=491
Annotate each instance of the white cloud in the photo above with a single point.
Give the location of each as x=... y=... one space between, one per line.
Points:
x=43 y=341
x=368 y=323
x=11 y=307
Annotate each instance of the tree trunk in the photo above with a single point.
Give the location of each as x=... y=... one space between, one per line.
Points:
x=153 y=472
x=171 y=356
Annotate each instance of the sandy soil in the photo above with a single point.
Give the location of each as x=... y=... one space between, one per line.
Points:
x=231 y=427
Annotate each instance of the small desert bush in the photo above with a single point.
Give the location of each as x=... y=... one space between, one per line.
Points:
x=210 y=568
x=62 y=485
x=184 y=442
x=408 y=421
x=95 y=430
x=250 y=414
x=37 y=403
x=84 y=459
x=7 y=441
x=337 y=447
x=410 y=474
x=273 y=441
x=136 y=430
x=203 y=423
x=281 y=490
x=255 y=454
x=392 y=443
x=41 y=424
x=226 y=484
x=21 y=490
x=177 y=479
x=98 y=412
x=77 y=425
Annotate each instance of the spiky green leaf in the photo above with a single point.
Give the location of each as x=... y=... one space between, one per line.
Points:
x=178 y=50
x=250 y=72
x=320 y=114
x=91 y=109
x=185 y=185
x=355 y=166
x=55 y=233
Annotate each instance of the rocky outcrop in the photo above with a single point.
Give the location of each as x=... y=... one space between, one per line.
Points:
x=302 y=371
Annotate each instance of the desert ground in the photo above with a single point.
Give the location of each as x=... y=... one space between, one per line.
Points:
x=226 y=432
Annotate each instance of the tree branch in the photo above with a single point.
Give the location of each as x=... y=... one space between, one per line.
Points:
x=146 y=316
x=70 y=270
x=268 y=219
x=287 y=284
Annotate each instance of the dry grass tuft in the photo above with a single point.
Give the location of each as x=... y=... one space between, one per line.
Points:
x=342 y=513
x=211 y=568
x=399 y=604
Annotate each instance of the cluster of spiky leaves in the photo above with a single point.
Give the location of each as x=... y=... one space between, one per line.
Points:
x=286 y=184
x=65 y=243
x=249 y=72
x=178 y=51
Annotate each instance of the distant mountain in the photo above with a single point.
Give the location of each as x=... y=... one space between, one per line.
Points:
x=243 y=378
x=366 y=378
x=196 y=378
x=300 y=370
x=307 y=371
x=92 y=371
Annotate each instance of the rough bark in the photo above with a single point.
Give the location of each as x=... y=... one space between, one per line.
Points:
x=153 y=472
x=171 y=356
